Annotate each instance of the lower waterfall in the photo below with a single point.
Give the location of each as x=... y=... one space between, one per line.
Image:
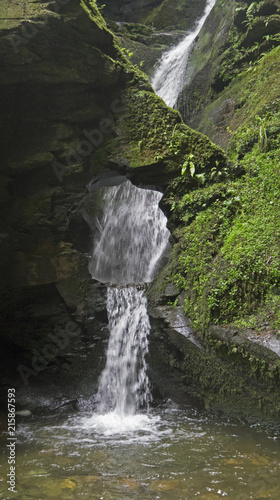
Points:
x=131 y=238
x=124 y=385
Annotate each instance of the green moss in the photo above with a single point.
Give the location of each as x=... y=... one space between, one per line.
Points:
x=138 y=30
x=182 y=15
x=237 y=236
x=253 y=92
x=13 y=12
x=254 y=31
x=91 y=9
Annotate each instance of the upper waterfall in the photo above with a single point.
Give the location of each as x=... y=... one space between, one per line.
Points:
x=168 y=80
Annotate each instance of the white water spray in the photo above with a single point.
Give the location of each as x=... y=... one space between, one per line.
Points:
x=132 y=238
x=168 y=80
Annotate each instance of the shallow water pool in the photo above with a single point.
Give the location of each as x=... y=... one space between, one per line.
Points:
x=168 y=454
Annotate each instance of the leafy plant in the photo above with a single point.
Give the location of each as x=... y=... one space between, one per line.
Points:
x=174 y=142
x=158 y=157
x=126 y=52
x=215 y=172
x=201 y=178
x=262 y=132
x=188 y=164
x=250 y=14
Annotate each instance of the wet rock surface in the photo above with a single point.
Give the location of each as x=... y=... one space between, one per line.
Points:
x=224 y=371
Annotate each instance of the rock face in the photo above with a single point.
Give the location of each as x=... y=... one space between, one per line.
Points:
x=48 y=96
x=225 y=372
x=129 y=10
x=72 y=108
x=204 y=62
x=162 y=14
x=146 y=32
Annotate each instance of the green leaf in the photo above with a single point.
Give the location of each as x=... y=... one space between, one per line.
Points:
x=192 y=169
x=184 y=168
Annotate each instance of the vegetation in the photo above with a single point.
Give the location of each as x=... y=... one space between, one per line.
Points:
x=153 y=136
x=229 y=233
x=254 y=32
x=224 y=216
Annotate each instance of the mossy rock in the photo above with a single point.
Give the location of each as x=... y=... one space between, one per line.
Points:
x=158 y=140
x=224 y=372
x=180 y=16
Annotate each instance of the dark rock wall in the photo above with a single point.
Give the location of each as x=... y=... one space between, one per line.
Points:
x=55 y=81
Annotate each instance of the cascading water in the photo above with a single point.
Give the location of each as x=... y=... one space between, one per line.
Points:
x=124 y=385
x=132 y=235
x=132 y=238
x=168 y=80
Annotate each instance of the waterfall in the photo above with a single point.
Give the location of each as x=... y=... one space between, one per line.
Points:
x=123 y=385
x=132 y=235
x=168 y=80
x=131 y=239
